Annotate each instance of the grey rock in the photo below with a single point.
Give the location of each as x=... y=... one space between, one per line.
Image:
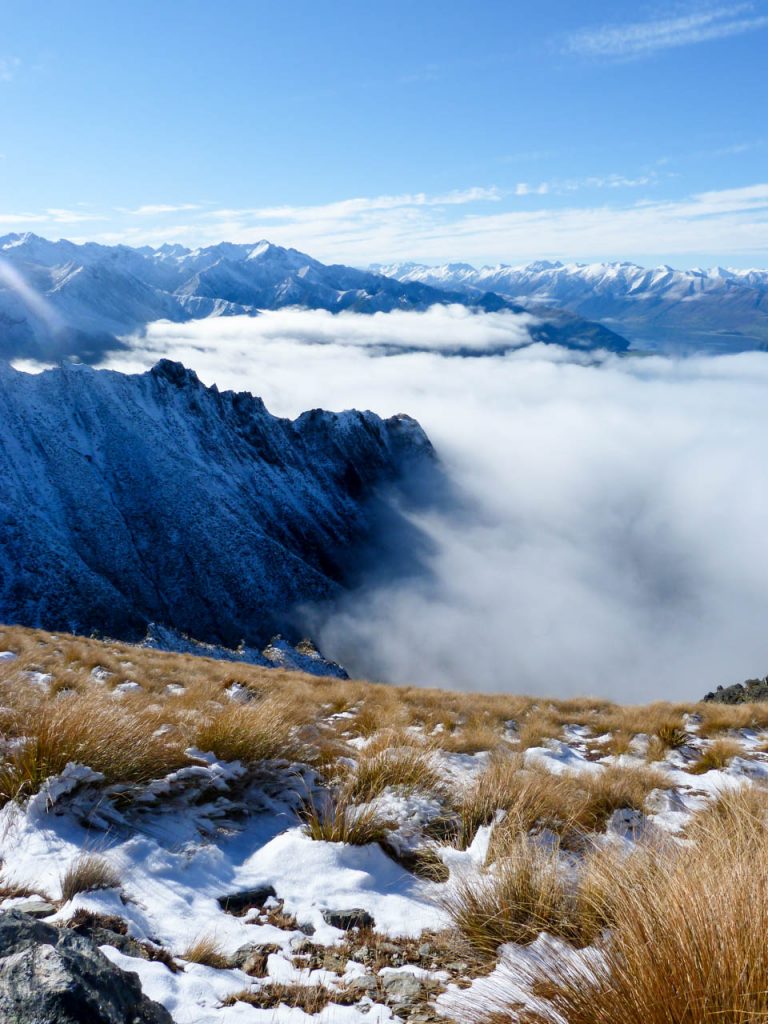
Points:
x=365 y=985
x=252 y=958
x=35 y=908
x=751 y=691
x=346 y=920
x=403 y=987
x=238 y=903
x=53 y=976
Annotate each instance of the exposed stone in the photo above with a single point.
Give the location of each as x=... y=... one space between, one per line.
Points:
x=252 y=958
x=35 y=908
x=346 y=920
x=365 y=985
x=401 y=986
x=239 y=903
x=55 y=976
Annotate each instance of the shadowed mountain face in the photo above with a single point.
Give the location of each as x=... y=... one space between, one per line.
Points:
x=58 y=299
x=151 y=498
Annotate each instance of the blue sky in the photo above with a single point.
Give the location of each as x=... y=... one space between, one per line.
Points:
x=434 y=131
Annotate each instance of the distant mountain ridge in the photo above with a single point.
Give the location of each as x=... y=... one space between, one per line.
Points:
x=134 y=499
x=659 y=308
x=60 y=299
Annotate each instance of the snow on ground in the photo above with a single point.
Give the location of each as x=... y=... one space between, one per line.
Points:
x=185 y=843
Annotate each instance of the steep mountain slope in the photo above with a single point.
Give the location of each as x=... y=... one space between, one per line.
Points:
x=59 y=299
x=717 y=310
x=151 y=498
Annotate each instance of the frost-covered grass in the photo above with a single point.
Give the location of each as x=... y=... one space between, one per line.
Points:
x=467 y=827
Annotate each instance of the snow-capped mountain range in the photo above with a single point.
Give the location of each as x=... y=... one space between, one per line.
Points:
x=59 y=299
x=659 y=308
x=152 y=498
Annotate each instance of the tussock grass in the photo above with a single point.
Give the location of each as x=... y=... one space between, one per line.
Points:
x=248 y=732
x=471 y=735
x=505 y=785
x=619 y=743
x=408 y=768
x=718 y=718
x=205 y=950
x=717 y=755
x=569 y=805
x=337 y=818
x=616 y=788
x=95 y=731
x=735 y=810
x=88 y=873
x=525 y=893
x=538 y=727
x=686 y=943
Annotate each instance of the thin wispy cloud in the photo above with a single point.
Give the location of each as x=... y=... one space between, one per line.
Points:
x=362 y=205
x=8 y=68
x=481 y=225
x=643 y=38
x=153 y=209
x=526 y=225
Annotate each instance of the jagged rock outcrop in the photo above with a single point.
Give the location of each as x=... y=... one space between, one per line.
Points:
x=55 y=976
x=279 y=652
x=740 y=693
x=126 y=500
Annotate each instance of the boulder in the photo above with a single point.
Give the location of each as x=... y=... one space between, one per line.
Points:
x=346 y=920
x=55 y=976
x=239 y=903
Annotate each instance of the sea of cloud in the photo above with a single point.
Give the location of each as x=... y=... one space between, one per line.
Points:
x=612 y=536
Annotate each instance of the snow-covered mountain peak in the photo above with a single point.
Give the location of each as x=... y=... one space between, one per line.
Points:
x=60 y=298
x=659 y=308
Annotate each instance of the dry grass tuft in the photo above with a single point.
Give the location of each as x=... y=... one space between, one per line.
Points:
x=717 y=755
x=524 y=893
x=248 y=732
x=205 y=950
x=568 y=805
x=95 y=731
x=617 y=788
x=309 y=998
x=717 y=718
x=336 y=818
x=88 y=873
x=538 y=727
x=736 y=810
x=406 y=767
